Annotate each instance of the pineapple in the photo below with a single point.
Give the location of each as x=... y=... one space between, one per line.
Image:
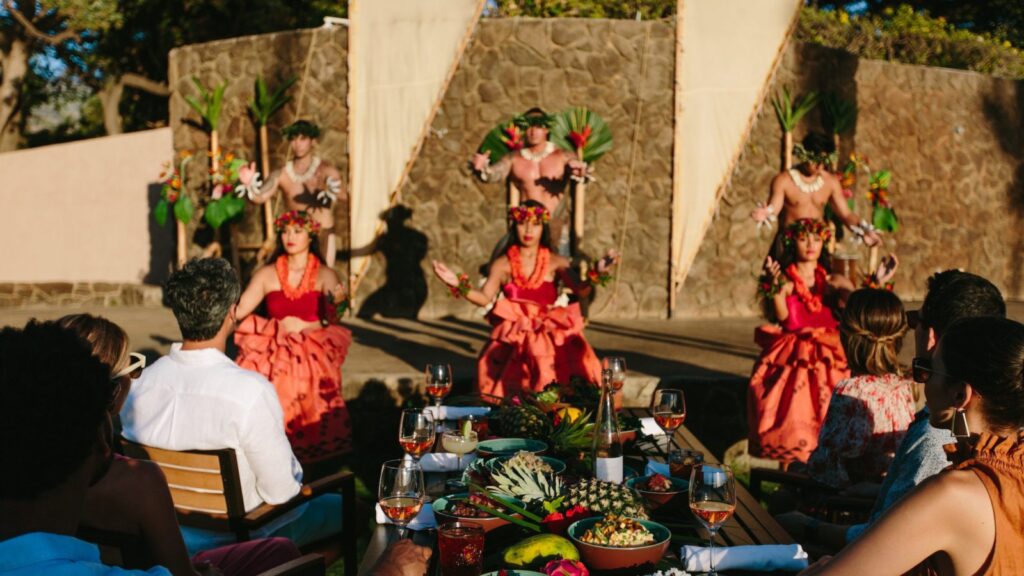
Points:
x=523 y=421
x=605 y=498
x=524 y=480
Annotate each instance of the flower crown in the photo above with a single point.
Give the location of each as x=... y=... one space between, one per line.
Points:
x=300 y=128
x=804 y=155
x=528 y=119
x=523 y=214
x=298 y=218
x=806 y=226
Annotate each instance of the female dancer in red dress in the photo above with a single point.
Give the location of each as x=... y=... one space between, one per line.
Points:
x=533 y=343
x=801 y=361
x=300 y=347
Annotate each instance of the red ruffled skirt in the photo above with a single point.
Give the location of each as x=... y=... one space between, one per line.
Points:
x=790 y=390
x=533 y=345
x=305 y=368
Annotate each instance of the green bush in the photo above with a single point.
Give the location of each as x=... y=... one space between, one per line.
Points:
x=903 y=35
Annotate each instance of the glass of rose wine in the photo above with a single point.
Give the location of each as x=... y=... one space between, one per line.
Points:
x=400 y=493
x=416 y=432
x=712 y=500
x=617 y=364
x=439 y=381
x=669 y=409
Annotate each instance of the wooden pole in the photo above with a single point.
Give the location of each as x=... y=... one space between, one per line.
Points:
x=787 y=151
x=578 y=214
x=676 y=231
x=181 y=232
x=268 y=207
x=214 y=249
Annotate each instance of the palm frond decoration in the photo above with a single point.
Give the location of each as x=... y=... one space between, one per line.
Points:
x=208 y=105
x=581 y=131
x=839 y=115
x=265 y=103
x=502 y=139
x=790 y=111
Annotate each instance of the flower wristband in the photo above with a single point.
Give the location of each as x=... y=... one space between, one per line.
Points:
x=595 y=278
x=463 y=288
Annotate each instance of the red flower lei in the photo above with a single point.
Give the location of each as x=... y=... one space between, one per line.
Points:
x=540 y=268
x=308 y=282
x=812 y=300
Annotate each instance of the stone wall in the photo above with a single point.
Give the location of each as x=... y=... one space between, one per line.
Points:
x=954 y=141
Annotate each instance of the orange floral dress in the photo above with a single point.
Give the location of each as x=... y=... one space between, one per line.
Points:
x=305 y=367
x=533 y=343
x=801 y=363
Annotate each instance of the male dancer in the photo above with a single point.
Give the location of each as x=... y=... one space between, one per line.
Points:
x=308 y=182
x=540 y=170
x=805 y=190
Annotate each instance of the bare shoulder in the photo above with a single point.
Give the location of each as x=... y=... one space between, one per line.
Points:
x=558 y=262
x=327 y=275
x=501 y=264
x=265 y=274
x=781 y=179
x=840 y=281
x=140 y=474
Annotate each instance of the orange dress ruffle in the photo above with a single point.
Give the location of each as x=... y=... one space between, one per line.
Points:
x=533 y=345
x=305 y=368
x=790 y=390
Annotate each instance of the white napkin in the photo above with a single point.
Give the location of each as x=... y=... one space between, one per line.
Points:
x=443 y=461
x=423 y=520
x=456 y=412
x=655 y=467
x=762 y=558
x=649 y=427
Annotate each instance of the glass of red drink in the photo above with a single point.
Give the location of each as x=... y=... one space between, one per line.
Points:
x=461 y=545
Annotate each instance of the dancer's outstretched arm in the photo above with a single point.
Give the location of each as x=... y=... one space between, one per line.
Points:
x=500 y=271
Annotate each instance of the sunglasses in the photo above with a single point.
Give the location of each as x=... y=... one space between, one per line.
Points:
x=134 y=368
x=921 y=370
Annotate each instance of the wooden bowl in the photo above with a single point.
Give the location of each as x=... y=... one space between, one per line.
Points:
x=605 y=558
x=655 y=499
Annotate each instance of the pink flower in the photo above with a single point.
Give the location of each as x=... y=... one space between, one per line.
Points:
x=218 y=191
x=565 y=568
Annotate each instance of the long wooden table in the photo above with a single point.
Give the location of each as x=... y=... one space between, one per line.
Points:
x=750 y=524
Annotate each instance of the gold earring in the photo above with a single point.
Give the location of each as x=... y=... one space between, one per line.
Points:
x=958 y=426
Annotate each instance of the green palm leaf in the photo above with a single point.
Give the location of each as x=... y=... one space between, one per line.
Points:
x=574 y=123
x=502 y=139
x=265 y=104
x=840 y=115
x=208 y=105
x=789 y=111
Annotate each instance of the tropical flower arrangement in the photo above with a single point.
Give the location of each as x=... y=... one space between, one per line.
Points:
x=223 y=205
x=172 y=192
x=578 y=130
x=883 y=215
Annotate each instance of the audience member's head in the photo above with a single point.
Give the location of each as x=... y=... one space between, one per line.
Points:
x=202 y=295
x=108 y=340
x=872 y=329
x=985 y=356
x=54 y=396
x=953 y=295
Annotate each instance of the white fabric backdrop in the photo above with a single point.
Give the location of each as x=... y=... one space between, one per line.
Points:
x=729 y=52
x=400 y=55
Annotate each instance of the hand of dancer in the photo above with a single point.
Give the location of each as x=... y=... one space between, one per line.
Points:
x=403 y=558
x=761 y=213
x=887 y=269
x=445 y=273
x=578 y=167
x=481 y=161
x=771 y=267
x=245 y=173
x=872 y=238
x=610 y=259
x=339 y=293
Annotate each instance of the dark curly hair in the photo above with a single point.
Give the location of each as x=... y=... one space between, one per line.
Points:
x=988 y=354
x=200 y=295
x=954 y=295
x=818 y=143
x=53 y=400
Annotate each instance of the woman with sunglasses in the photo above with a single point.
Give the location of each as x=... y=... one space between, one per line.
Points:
x=969 y=519
x=533 y=342
x=802 y=359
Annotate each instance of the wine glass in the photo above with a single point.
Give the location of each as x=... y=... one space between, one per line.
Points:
x=416 y=432
x=400 y=493
x=439 y=381
x=712 y=500
x=669 y=409
x=617 y=364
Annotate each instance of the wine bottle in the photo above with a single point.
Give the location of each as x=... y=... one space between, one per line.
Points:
x=607 y=450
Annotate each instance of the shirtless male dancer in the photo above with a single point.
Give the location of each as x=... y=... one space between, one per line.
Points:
x=308 y=182
x=540 y=171
x=805 y=190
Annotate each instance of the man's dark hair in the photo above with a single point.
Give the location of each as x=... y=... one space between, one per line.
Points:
x=954 y=295
x=53 y=399
x=301 y=128
x=818 y=143
x=201 y=294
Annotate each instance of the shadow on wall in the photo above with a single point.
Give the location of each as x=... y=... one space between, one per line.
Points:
x=161 y=241
x=1004 y=110
x=405 y=287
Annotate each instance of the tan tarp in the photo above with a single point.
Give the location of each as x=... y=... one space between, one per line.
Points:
x=727 y=52
x=401 y=54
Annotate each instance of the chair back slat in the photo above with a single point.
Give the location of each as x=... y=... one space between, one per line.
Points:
x=186 y=499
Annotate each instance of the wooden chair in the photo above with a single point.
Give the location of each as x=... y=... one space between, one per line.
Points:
x=207 y=494
x=130 y=551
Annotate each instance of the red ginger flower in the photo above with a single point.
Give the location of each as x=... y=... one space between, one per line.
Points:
x=579 y=139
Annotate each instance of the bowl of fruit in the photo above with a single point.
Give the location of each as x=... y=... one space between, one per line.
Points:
x=658 y=490
x=614 y=542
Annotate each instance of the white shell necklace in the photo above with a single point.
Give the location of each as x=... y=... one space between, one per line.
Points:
x=289 y=168
x=549 y=147
x=805 y=187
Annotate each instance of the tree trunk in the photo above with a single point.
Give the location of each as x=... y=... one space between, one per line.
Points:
x=110 y=100
x=13 y=67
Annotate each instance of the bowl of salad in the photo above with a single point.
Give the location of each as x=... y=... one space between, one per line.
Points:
x=658 y=490
x=467 y=507
x=614 y=542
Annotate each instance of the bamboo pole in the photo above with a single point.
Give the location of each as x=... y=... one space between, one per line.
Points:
x=268 y=207
x=787 y=151
x=676 y=231
x=579 y=215
x=214 y=249
x=181 y=232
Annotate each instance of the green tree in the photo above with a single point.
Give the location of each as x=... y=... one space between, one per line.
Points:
x=622 y=9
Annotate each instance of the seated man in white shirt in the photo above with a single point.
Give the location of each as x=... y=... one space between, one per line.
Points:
x=196 y=398
x=54 y=443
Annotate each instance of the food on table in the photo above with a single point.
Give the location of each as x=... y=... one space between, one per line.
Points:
x=522 y=421
x=565 y=568
x=618 y=531
x=570 y=413
x=530 y=461
x=464 y=508
x=524 y=481
x=658 y=483
x=605 y=498
x=541 y=547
